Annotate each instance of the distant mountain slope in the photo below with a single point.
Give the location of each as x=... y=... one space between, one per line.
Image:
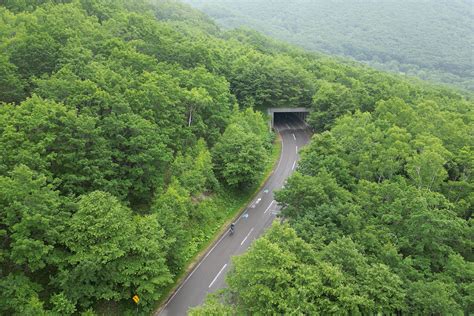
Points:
x=430 y=39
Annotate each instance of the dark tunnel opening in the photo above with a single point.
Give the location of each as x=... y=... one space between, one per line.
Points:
x=294 y=120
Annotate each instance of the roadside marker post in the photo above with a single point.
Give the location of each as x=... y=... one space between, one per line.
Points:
x=136 y=299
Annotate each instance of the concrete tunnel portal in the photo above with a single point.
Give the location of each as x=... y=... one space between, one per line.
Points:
x=283 y=114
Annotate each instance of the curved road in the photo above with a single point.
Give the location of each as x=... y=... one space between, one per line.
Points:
x=209 y=274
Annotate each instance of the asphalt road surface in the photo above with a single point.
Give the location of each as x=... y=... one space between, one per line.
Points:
x=209 y=274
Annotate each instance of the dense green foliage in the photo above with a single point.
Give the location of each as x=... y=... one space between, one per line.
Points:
x=429 y=39
x=109 y=117
x=119 y=124
x=240 y=153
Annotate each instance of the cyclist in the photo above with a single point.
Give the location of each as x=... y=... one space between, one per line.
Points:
x=232 y=227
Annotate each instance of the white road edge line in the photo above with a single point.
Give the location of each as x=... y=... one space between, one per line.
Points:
x=294 y=137
x=225 y=265
x=269 y=207
x=294 y=165
x=246 y=237
x=296 y=149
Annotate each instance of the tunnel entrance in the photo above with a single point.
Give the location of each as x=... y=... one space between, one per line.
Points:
x=281 y=116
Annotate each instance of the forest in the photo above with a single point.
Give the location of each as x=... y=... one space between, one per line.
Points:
x=119 y=123
x=432 y=40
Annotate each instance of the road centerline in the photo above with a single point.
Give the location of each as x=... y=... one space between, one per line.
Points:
x=217 y=276
x=246 y=237
x=269 y=206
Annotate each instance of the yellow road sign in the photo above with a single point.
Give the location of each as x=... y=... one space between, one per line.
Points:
x=136 y=299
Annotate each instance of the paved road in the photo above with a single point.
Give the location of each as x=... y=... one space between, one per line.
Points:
x=209 y=275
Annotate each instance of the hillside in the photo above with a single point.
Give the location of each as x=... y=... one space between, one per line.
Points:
x=117 y=121
x=433 y=40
